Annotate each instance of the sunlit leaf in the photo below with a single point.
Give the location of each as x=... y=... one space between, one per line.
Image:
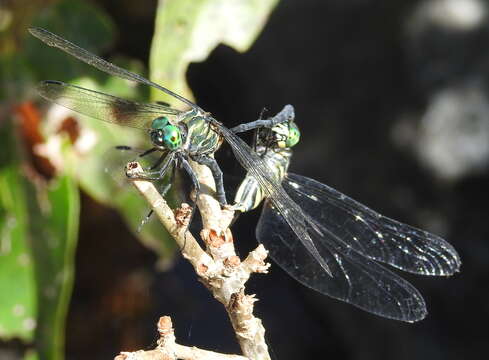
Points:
x=53 y=223
x=188 y=30
x=17 y=283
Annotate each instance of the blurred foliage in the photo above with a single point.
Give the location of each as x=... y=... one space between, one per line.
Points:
x=47 y=153
x=188 y=30
x=17 y=311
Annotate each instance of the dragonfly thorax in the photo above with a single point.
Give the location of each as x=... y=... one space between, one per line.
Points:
x=165 y=135
x=202 y=136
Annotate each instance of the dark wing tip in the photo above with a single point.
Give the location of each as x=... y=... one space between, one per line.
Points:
x=52 y=82
x=49 y=86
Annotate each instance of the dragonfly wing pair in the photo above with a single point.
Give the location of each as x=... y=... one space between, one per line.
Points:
x=352 y=238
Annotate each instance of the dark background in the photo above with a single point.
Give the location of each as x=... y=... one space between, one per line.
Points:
x=391 y=99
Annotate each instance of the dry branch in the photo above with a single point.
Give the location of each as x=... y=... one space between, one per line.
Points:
x=218 y=267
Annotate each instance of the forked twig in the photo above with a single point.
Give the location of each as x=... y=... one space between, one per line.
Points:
x=218 y=267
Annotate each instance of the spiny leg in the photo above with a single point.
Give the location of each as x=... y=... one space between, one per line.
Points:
x=185 y=164
x=285 y=115
x=212 y=164
x=158 y=162
x=159 y=174
x=149 y=151
x=144 y=153
x=163 y=192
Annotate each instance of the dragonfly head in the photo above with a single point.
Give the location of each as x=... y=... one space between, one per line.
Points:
x=286 y=135
x=165 y=135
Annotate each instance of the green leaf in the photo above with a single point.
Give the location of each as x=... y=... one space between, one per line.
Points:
x=31 y=355
x=17 y=282
x=188 y=30
x=53 y=225
x=86 y=26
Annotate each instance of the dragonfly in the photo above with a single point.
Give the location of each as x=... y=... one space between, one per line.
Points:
x=353 y=239
x=178 y=135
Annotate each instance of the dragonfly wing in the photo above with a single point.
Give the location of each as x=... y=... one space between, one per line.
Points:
x=355 y=279
x=299 y=223
x=370 y=233
x=103 y=106
x=81 y=54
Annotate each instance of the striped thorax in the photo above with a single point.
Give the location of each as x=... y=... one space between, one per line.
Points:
x=201 y=137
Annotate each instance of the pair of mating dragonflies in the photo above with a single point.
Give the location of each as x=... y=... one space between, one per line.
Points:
x=322 y=238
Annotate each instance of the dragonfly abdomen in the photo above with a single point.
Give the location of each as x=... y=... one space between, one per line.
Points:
x=250 y=194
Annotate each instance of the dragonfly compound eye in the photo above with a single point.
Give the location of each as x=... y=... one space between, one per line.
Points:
x=172 y=137
x=294 y=135
x=159 y=123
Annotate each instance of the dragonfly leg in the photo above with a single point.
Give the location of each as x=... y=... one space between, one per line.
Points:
x=145 y=221
x=159 y=174
x=163 y=192
x=184 y=163
x=212 y=164
x=149 y=151
x=285 y=115
x=191 y=173
x=144 y=153
x=158 y=162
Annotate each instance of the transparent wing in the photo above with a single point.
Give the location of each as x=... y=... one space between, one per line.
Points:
x=74 y=50
x=355 y=279
x=103 y=106
x=299 y=223
x=370 y=233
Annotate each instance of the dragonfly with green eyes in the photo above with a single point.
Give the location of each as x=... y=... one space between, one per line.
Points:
x=315 y=246
x=178 y=135
x=352 y=238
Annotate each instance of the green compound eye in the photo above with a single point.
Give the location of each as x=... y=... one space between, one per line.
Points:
x=294 y=135
x=159 y=123
x=172 y=138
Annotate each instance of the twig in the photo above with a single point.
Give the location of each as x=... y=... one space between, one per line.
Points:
x=219 y=269
x=168 y=349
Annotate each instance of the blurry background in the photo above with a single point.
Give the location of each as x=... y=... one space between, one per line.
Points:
x=392 y=100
